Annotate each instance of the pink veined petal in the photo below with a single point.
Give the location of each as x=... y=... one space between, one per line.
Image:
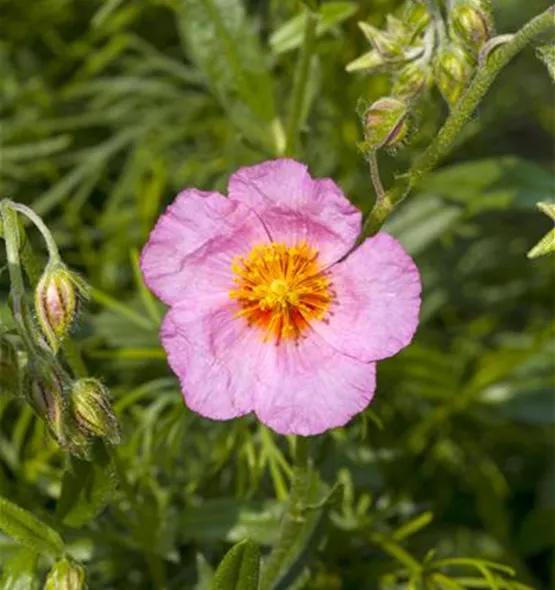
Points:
x=294 y=207
x=214 y=355
x=308 y=387
x=377 y=301
x=191 y=248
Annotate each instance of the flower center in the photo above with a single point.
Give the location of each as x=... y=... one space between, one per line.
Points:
x=281 y=289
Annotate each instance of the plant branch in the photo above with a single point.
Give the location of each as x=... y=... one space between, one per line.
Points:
x=447 y=136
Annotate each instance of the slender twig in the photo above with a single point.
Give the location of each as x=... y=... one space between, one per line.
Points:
x=293 y=520
x=298 y=96
x=447 y=136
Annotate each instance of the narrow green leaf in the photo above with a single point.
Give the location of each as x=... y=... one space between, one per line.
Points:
x=290 y=35
x=19 y=572
x=239 y=569
x=221 y=42
x=26 y=528
x=413 y=526
x=87 y=487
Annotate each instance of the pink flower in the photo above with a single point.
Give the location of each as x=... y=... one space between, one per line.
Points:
x=267 y=316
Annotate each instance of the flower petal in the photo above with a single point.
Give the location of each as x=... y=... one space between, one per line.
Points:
x=308 y=387
x=377 y=301
x=214 y=355
x=191 y=248
x=294 y=207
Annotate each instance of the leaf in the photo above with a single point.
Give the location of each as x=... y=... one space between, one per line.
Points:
x=87 y=487
x=19 y=572
x=422 y=221
x=536 y=532
x=495 y=183
x=26 y=528
x=546 y=53
x=290 y=35
x=547 y=244
x=239 y=569
x=221 y=42
x=205 y=574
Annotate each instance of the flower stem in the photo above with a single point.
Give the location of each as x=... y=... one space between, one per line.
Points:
x=375 y=176
x=300 y=83
x=446 y=138
x=13 y=240
x=293 y=520
x=51 y=245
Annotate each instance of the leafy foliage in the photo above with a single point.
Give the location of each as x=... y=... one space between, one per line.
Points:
x=108 y=109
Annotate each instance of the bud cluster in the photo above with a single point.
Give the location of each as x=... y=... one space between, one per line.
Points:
x=419 y=49
x=75 y=411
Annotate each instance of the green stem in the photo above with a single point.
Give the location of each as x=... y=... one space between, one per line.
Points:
x=12 y=239
x=40 y=225
x=300 y=83
x=447 y=136
x=293 y=520
x=375 y=176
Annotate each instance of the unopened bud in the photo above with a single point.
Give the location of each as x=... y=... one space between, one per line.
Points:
x=65 y=575
x=56 y=298
x=384 y=43
x=416 y=16
x=10 y=374
x=92 y=411
x=452 y=70
x=44 y=391
x=412 y=80
x=385 y=123
x=472 y=23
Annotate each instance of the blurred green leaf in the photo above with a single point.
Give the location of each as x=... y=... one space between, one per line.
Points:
x=220 y=40
x=496 y=183
x=239 y=569
x=20 y=571
x=26 y=528
x=290 y=35
x=87 y=486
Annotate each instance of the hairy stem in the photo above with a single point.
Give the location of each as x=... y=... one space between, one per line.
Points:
x=445 y=139
x=375 y=176
x=300 y=83
x=293 y=520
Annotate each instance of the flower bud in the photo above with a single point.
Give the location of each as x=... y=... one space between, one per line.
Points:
x=412 y=80
x=416 y=16
x=472 y=23
x=452 y=71
x=56 y=303
x=385 y=123
x=92 y=411
x=384 y=43
x=10 y=374
x=65 y=575
x=44 y=391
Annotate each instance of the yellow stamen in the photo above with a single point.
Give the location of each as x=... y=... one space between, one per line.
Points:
x=281 y=289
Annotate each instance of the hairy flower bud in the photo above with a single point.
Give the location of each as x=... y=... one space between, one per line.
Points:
x=56 y=298
x=92 y=411
x=385 y=123
x=44 y=391
x=416 y=16
x=472 y=23
x=10 y=373
x=452 y=71
x=411 y=81
x=384 y=43
x=65 y=575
